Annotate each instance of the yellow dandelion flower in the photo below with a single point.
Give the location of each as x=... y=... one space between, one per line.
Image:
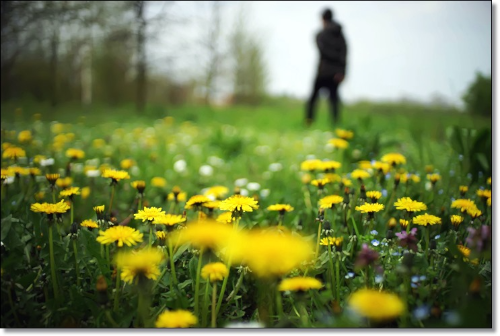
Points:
x=329 y=201
x=211 y=205
x=474 y=212
x=121 y=235
x=181 y=197
x=169 y=219
x=463 y=189
x=69 y=192
x=333 y=177
x=52 y=178
x=364 y=164
x=16 y=170
x=299 y=284
x=415 y=178
x=360 y=174
x=489 y=180
x=466 y=253
x=463 y=204
x=226 y=217
x=426 y=219
x=488 y=201
x=98 y=143
x=35 y=171
x=406 y=203
x=404 y=223
x=161 y=235
x=13 y=153
x=344 y=134
x=158 y=182
x=306 y=178
x=376 y=305
x=219 y=192
x=75 y=154
x=433 y=177
x=85 y=192
x=134 y=264
x=239 y=203
x=176 y=319
x=64 y=182
x=392 y=222
x=216 y=271
x=205 y=235
x=393 y=159
x=484 y=193
x=346 y=182
x=115 y=175
x=370 y=207
x=149 y=214
x=196 y=201
x=270 y=253
x=338 y=143
x=89 y=223
x=127 y=163
x=280 y=207
x=456 y=220
x=320 y=183
x=99 y=209
x=429 y=169
x=383 y=167
x=50 y=208
x=311 y=165
x=329 y=165
x=374 y=195
x=139 y=186
x=39 y=195
x=336 y=241
x=24 y=136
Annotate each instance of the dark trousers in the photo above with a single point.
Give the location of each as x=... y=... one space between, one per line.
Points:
x=332 y=86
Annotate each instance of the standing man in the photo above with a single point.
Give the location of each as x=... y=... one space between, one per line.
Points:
x=332 y=64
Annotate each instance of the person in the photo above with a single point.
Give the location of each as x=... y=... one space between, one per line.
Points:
x=332 y=65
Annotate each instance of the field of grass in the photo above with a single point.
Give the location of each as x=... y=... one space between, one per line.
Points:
x=436 y=276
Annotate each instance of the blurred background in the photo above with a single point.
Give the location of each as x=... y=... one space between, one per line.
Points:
x=146 y=58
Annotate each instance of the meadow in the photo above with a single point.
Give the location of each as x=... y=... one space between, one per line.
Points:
x=191 y=216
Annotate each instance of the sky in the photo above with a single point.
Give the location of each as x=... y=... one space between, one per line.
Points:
x=414 y=50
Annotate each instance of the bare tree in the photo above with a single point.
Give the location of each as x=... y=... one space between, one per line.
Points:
x=211 y=43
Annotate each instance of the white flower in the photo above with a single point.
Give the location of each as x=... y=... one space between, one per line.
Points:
x=428 y=185
x=275 y=166
x=93 y=173
x=241 y=182
x=253 y=186
x=10 y=180
x=47 y=162
x=180 y=166
x=264 y=193
x=215 y=161
x=244 y=192
x=206 y=170
x=245 y=325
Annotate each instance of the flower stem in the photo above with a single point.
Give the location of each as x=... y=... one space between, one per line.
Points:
x=76 y=263
x=317 y=241
x=111 y=200
x=279 y=305
x=205 y=306
x=427 y=234
x=117 y=291
x=330 y=264
x=150 y=234
x=172 y=264
x=197 y=285
x=53 y=263
x=303 y=314
x=214 y=311
x=72 y=213
x=337 y=277
x=140 y=203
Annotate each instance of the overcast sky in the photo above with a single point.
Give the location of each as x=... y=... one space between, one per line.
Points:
x=395 y=49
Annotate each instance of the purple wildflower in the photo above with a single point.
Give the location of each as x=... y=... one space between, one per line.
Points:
x=408 y=239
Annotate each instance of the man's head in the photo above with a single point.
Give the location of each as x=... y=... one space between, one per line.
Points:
x=327 y=16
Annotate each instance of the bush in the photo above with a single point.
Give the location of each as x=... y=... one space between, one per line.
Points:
x=477 y=99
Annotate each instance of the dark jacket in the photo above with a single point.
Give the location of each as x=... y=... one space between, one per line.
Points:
x=332 y=50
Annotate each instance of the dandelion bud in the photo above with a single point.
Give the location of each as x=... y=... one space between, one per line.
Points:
x=362 y=194
x=327 y=225
x=392 y=222
x=101 y=284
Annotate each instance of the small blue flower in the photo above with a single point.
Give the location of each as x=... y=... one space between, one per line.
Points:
x=349 y=275
x=460 y=157
x=422 y=312
x=385 y=244
x=423 y=277
x=437 y=237
x=384 y=192
x=453 y=199
x=414 y=285
x=374 y=232
x=481 y=187
x=440 y=192
x=375 y=242
x=388 y=176
x=379 y=278
x=373 y=162
x=415 y=278
x=451 y=317
x=396 y=253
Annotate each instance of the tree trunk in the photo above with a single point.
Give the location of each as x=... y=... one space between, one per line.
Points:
x=141 y=58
